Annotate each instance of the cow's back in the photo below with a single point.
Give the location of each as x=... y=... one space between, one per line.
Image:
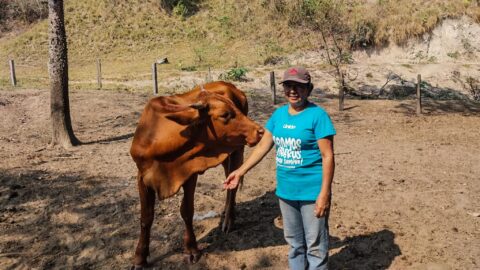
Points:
x=222 y=88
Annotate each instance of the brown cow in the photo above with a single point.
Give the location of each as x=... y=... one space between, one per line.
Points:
x=181 y=136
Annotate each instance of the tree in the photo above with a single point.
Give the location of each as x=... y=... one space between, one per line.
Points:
x=334 y=30
x=326 y=17
x=58 y=71
x=339 y=60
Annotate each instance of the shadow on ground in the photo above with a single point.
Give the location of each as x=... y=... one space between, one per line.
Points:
x=254 y=229
x=111 y=139
x=50 y=220
x=433 y=107
x=375 y=250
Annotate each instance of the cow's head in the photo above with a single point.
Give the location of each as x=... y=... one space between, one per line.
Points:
x=222 y=122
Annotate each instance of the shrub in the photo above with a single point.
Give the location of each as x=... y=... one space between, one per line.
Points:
x=27 y=11
x=181 y=8
x=363 y=34
x=273 y=60
x=454 y=55
x=469 y=83
x=234 y=74
x=188 y=68
x=473 y=87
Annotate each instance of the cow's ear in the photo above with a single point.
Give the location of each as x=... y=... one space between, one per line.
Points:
x=184 y=118
x=189 y=116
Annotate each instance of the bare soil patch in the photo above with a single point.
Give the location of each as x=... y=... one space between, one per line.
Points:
x=405 y=195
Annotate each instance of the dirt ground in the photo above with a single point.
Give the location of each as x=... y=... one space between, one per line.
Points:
x=406 y=190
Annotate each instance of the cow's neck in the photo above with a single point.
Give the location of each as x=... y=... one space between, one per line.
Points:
x=201 y=157
x=196 y=160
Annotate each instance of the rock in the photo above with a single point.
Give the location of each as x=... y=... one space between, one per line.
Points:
x=278 y=222
x=209 y=214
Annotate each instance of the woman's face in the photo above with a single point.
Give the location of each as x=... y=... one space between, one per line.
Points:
x=296 y=93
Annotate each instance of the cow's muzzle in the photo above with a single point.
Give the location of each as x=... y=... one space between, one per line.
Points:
x=257 y=136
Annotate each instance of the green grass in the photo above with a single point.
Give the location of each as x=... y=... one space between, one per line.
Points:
x=130 y=35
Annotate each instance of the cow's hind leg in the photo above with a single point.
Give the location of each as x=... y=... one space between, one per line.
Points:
x=232 y=163
x=147 y=204
x=192 y=254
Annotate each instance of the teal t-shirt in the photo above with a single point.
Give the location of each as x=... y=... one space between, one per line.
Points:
x=298 y=158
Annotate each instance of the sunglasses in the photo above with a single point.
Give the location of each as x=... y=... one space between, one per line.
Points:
x=294 y=86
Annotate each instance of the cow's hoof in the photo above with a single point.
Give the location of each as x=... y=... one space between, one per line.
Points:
x=192 y=258
x=227 y=225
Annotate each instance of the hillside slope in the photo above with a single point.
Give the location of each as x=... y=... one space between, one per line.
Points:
x=129 y=35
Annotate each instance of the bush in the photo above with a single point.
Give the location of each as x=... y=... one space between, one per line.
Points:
x=363 y=34
x=273 y=60
x=234 y=74
x=181 y=8
x=19 y=12
x=27 y=11
x=454 y=55
x=473 y=87
x=469 y=83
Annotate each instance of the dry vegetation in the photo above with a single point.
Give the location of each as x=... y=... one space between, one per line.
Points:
x=129 y=34
x=17 y=14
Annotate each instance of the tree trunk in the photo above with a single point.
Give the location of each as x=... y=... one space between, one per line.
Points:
x=58 y=70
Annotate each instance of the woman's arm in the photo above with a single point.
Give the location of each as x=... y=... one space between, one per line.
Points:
x=262 y=148
x=328 y=160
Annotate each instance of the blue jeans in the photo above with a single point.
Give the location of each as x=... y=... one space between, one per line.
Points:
x=306 y=234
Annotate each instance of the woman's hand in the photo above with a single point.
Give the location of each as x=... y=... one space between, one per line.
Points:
x=232 y=180
x=322 y=205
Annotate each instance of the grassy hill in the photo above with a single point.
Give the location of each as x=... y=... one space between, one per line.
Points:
x=129 y=35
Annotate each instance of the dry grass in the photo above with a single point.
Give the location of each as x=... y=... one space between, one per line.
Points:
x=129 y=35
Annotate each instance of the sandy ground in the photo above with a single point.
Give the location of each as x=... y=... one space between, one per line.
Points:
x=405 y=194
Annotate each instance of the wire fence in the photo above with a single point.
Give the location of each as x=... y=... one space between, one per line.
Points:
x=98 y=81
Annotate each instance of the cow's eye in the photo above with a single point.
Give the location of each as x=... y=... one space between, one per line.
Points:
x=225 y=115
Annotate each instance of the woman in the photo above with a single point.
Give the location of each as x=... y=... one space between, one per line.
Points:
x=302 y=134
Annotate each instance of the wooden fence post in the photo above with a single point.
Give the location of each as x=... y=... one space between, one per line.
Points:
x=99 y=73
x=341 y=98
x=341 y=92
x=154 y=78
x=272 y=86
x=209 y=76
x=419 y=95
x=12 y=73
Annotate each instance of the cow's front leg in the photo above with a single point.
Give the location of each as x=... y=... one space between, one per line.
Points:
x=147 y=203
x=192 y=254
x=229 y=211
x=233 y=162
